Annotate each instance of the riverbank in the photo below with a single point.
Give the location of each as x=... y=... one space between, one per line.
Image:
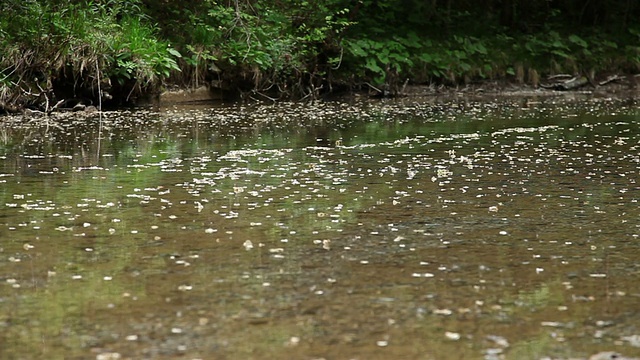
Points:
x=58 y=56
x=624 y=87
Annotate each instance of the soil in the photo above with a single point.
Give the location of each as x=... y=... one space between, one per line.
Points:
x=625 y=86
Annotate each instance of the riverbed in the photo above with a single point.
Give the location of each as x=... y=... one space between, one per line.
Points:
x=505 y=228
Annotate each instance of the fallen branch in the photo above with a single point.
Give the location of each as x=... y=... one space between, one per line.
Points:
x=264 y=96
x=610 y=79
x=374 y=88
x=559 y=76
x=571 y=84
x=54 y=107
x=46 y=99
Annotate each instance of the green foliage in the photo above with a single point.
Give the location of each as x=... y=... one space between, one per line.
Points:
x=137 y=54
x=632 y=50
x=49 y=40
x=299 y=46
x=262 y=43
x=380 y=57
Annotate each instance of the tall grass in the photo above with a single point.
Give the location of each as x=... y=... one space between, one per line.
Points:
x=44 y=44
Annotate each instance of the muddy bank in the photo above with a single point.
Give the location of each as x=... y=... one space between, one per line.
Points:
x=616 y=86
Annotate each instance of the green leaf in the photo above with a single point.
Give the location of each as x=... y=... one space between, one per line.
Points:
x=356 y=50
x=460 y=55
x=561 y=53
x=379 y=79
x=426 y=57
x=383 y=56
x=480 y=49
x=372 y=65
x=174 y=52
x=578 y=41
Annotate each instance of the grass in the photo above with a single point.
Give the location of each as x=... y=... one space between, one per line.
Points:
x=48 y=50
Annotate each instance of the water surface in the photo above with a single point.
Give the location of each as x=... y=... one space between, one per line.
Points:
x=418 y=230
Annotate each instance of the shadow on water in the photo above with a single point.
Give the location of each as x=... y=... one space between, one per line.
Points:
x=384 y=230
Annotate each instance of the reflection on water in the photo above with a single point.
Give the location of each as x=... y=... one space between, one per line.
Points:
x=359 y=231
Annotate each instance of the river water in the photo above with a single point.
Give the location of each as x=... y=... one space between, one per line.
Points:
x=431 y=229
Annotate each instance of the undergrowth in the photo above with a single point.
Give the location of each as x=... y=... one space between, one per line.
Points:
x=51 y=50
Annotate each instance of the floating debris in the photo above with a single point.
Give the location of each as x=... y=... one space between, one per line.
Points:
x=452 y=335
x=633 y=340
x=382 y=343
x=109 y=356
x=423 y=275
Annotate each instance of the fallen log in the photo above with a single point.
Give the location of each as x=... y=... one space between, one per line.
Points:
x=571 y=84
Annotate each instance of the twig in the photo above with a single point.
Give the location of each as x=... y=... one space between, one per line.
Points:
x=9 y=74
x=57 y=104
x=130 y=92
x=559 y=76
x=99 y=112
x=265 y=96
x=306 y=96
x=46 y=99
x=374 y=88
x=313 y=92
x=404 y=86
x=339 y=61
x=610 y=79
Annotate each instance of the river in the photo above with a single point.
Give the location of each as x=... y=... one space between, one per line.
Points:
x=402 y=229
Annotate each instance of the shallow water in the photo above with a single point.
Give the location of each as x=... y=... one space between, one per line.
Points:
x=417 y=230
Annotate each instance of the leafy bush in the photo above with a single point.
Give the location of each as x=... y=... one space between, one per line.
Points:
x=45 y=42
x=302 y=47
x=262 y=45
